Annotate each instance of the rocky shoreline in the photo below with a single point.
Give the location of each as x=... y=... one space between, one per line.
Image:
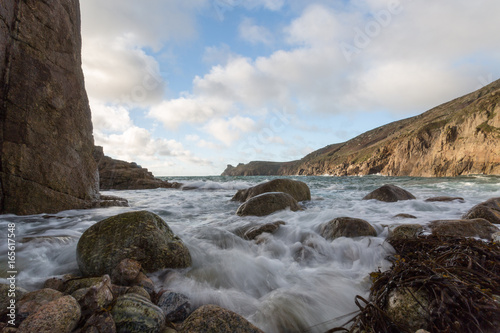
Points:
x=114 y=293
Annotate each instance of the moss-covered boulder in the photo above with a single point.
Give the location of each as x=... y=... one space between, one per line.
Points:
x=141 y=235
x=346 y=227
x=297 y=189
x=213 y=318
x=267 y=203
x=488 y=210
x=389 y=193
x=407 y=307
x=133 y=313
x=463 y=228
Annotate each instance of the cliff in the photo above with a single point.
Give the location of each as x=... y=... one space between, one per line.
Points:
x=456 y=138
x=46 y=141
x=120 y=175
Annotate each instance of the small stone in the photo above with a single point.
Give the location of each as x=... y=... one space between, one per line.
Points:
x=143 y=281
x=135 y=314
x=445 y=199
x=407 y=307
x=175 y=306
x=405 y=231
x=139 y=291
x=253 y=232
x=126 y=272
x=404 y=216
x=99 y=323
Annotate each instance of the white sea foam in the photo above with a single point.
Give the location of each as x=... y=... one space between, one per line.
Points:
x=291 y=281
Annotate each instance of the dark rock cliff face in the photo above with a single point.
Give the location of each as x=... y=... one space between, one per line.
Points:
x=46 y=162
x=460 y=137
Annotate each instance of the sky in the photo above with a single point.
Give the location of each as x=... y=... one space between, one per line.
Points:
x=185 y=87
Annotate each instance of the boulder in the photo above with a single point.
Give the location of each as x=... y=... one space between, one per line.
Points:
x=346 y=227
x=404 y=216
x=252 y=232
x=267 y=203
x=133 y=313
x=176 y=306
x=141 y=235
x=31 y=302
x=488 y=210
x=389 y=193
x=405 y=231
x=444 y=199
x=98 y=296
x=71 y=285
x=46 y=140
x=139 y=291
x=212 y=318
x=407 y=307
x=5 y=296
x=61 y=315
x=297 y=189
x=463 y=228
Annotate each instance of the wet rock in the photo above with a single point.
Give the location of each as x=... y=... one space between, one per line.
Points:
x=297 y=189
x=61 y=315
x=141 y=235
x=212 y=318
x=389 y=193
x=346 y=227
x=176 y=306
x=254 y=231
x=404 y=216
x=496 y=237
x=143 y=281
x=126 y=272
x=112 y=201
x=407 y=308
x=267 y=203
x=488 y=210
x=98 y=296
x=72 y=285
x=31 y=302
x=405 y=231
x=444 y=199
x=135 y=314
x=463 y=228
x=139 y=291
x=99 y=323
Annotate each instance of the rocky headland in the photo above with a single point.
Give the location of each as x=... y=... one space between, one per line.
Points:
x=460 y=137
x=121 y=175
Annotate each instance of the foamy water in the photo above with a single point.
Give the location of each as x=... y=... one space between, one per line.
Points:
x=291 y=281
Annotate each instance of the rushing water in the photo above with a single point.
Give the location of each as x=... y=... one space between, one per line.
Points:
x=291 y=281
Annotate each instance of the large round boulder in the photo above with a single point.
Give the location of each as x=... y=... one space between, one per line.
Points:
x=213 y=318
x=463 y=228
x=346 y=227
x=389 y=193
x=142 y=236
x=267 y=203
x=488 y=210
x=297 y=189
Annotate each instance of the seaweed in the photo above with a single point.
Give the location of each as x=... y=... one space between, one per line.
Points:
x=460 y=276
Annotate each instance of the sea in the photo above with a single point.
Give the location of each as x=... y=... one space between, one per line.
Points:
x=291 y=281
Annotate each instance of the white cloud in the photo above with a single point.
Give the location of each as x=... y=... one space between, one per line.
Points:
x=109 y=118
x=253 y=33
x=230 y=130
